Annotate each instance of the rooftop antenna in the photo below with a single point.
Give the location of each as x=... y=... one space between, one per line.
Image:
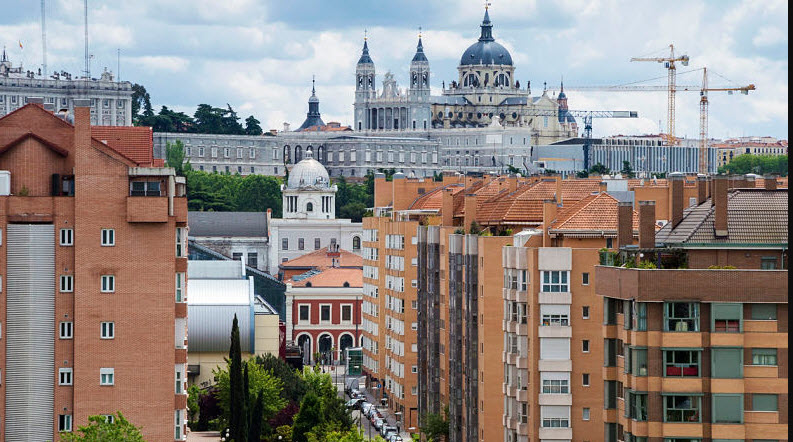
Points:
x=87 y=56
x=118 y=64
x=43 y=39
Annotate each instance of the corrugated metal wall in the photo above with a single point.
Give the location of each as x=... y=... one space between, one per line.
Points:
x=30 y=332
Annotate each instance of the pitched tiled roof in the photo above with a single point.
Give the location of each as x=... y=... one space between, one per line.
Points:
x=134 y=142
x=596 y=212
x=754 y=216
x=331 y=277
x=524 y=205
x=319 y=259
x=432 y=200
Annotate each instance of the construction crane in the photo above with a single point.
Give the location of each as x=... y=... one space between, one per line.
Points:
x=587 y=116
x=669 y=64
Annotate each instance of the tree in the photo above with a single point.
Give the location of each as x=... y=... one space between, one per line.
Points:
x=140 y=100
x=309 y=415
x=257 y=193
x=235 y=406
x=252 y=126
x=436 y=426
x=627 y=170
x=759 y=164
x=193 y=394
x=512 y=169
x=101 y=429
x=256 y=418
x=174 y=157
x=582 y=174
x=294 y=387
x=599 y=169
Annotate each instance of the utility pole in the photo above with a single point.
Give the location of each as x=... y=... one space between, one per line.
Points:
x=87 y=56
x=43 y=40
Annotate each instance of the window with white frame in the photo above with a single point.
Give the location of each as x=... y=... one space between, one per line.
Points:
x=67 y=283
x=304 y=313
x=555 y=281
x=324 y=313
x=108 y=237
x=67 y=237
x=107 y=376
x=177 y=418
x=346 y=313
x=64 y=376
x=555 y=315
x=66 y=330
x=555 y=382
x=108 y=330
x=108 y=283
x=179 y=381
x=181 y=242
x=180 y=287
x=109 y=418
x=64 y=423
x=555 y=416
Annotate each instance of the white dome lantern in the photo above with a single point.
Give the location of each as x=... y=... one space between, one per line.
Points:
x=308 y=193
x=308 y=173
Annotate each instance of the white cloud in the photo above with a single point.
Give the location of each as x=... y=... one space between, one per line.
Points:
x=161 y=63
x=769 y=36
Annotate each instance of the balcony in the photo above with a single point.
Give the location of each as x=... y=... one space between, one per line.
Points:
x=141 y=209
x=714 y=285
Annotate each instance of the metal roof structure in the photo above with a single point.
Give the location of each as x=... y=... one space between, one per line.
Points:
x=227 y=224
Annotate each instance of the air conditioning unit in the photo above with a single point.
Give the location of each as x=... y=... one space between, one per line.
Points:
x=5 y=183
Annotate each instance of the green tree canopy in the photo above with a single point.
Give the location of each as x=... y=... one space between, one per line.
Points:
x=627 y=170
x=759 y=164
x=310 y=414
x=436 y=426
x=174 y=157
x=99 y=429
x=599 y=169
x=253 y=126
x=259 y=380
x=294 y=386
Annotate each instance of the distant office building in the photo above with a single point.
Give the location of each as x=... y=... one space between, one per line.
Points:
x=733 y=147
x=94 y=246
x=111 y=100
x=216 y=291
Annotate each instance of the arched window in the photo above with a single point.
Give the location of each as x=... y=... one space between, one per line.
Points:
x=356 y=243
x=309 y=206
x=298 y=154
x=287 y=154
x=346 y=284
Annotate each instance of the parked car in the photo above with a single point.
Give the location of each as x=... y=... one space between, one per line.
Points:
x=378 y=423
x=354 y=403
x=394 y=438
x=365 y=407
x=353 y=393
x=386 y=429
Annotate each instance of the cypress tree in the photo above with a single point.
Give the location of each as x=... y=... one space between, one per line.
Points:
x=257 y=415
x=236 y=395
x=244 y=408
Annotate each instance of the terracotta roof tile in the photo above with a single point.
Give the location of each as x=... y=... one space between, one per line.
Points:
x=319 y=259
x=432 y=200
x=524 y=205
x=594 y=213
x=134 y=142
x=332 y=277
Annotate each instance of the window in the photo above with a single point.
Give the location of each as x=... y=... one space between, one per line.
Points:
x=585 y=379
x=253 y=259
x=64 y=376
x=180 y=287
x=285 y=244
x=106 y=376
x=181 y=242
x=108 y=237
x=585 y=414
x=765 y=402
x=681 y=316
x=109 y=418
x=108 y=283
x=609 y=243
x=67 y=237
x=356 y=243
x=727 y=408
x=144 y=188
x=346 y=313
x=683 y=363
x=554 y=281
x=66 y=330
x=177 y=418
x=682 y=409
x=316 y=244
x=553 y=319
x=65 y=422
x=107 y=330
x=67 y=283
x=763 y=312
x=324 y=313
x=555 y=386
x=300 y=244
x=179 y=383
x=236 y=256
x=726 y=362
x=726 y=317
x=639 y=316
x=768 y=263
x=638 y=361
x=555 y=416
x=304 y=311
x=585 y=312
x=764 y=356
x=585 y=278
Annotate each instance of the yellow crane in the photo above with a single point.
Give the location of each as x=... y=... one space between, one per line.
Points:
x=669 y=64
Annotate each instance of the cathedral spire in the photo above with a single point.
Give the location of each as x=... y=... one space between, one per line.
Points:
x=5 y=57
x=487 y=26
x=365 y=58
x=420 y=50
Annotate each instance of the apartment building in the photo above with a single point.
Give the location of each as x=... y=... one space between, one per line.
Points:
x=696 y=337
x=95 y=244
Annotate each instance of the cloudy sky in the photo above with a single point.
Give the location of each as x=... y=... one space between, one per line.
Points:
x=259 y=55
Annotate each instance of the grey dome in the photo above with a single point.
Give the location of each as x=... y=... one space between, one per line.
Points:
x=486 y=51
x=308 y=173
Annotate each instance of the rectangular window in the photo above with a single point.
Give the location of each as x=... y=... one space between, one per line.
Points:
x=764 y=356
x=765 y=402
x=555 y=281
x=181 y=242
x=727 y=408
x=253 y=259
x=726 y=363
x=64 y=376
x=768 y=263
x=346 y=313
x=726 y=317
x=316 y=244
x=585 y=379
x=66 y=330
x=555 y=386
x=639 y=316
x=179 y=383
x=180 y=286
x=681 y=316
x=300 y=244
x=108 y=237
x=67 y=283
x=585 y=278
x=681 y=363
x=324 y=313
x=108 y=330
x=285 y=244
x=236 y=256
x=67 y=237
x=106 y=376
x=304 y=312
x=548 y=319
x=637 y=404
x=585 y=312
x=585 y=414
x=638 y=361
x=65 y=422
x=763 y=312
x=177 y=419
x=108 y=283
x=682 y=409
x=585 y=346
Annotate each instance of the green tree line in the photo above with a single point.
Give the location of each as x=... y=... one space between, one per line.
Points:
x=759 y=164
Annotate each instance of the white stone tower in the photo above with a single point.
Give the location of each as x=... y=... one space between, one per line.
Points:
x=364 y=87
x=308 y=193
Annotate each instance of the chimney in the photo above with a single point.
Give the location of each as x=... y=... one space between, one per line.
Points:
x=676 y=180
x=286 y=127
x=469 y=215
x=769 y=182
x=603 y=187
x=559 y=191
x=748 y=181
x=720 y=189
x=624 y=223
x=646 y=224
x=702 y=188
x=549 y=208
x=82 y=126
x=512 y=183
x=447 y=207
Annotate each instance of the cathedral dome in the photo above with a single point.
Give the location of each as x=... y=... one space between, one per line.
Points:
x=308 y=172
x=486 y=51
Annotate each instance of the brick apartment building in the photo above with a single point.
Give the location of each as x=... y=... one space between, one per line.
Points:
x=695 y=352
x=93 y=311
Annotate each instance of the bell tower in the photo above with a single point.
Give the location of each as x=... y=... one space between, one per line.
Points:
x=420 y=73
x=364 y=87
